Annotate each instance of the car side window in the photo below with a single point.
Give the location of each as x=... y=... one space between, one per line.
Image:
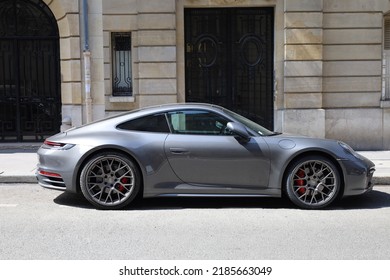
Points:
x=197 y=122
x=155 y=123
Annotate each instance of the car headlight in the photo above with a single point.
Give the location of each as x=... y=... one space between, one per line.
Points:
x=348 y=149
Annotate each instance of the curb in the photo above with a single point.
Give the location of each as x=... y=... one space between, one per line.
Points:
x=17 y=179
x=378 y=181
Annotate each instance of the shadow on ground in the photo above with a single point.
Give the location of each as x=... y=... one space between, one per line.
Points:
x=373 y=200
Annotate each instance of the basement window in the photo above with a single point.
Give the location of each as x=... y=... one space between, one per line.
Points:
x=122 y=84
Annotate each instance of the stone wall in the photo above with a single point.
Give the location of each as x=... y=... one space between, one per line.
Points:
x=153 y=28
x=328 y=62
x=333 y=71
x=352 y=72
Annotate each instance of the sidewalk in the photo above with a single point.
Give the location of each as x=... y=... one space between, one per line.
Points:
x=18 y=165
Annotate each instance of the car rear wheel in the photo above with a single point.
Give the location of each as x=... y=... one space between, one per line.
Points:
x=313 y=182
x=110 y=180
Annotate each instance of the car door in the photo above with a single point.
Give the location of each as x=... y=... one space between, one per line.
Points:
x=203 y=153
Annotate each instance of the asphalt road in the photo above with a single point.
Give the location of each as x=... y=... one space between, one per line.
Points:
x=36 y=223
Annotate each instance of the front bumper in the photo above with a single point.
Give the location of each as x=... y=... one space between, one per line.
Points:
x=358 y=176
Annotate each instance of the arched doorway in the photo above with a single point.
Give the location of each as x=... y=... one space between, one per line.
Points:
x=30 y=98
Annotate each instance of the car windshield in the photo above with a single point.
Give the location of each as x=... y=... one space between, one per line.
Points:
x=262 y=131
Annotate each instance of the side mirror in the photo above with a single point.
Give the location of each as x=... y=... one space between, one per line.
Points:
x=239 y=129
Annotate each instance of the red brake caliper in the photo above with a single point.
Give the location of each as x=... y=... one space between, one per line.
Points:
x=300 y=182
x=124 y=180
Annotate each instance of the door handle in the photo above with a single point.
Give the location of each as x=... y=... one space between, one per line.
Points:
x=179 y=151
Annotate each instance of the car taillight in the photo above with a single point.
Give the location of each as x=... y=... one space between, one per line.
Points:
x=53 y=144
x=56 y=145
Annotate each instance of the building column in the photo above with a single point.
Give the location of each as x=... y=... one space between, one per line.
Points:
x=97 y=88
x=303 y=68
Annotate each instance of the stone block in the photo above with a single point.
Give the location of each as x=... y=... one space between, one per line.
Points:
x=108 y=87
x=97 y=112
x=353 y=20
x=303 y=100
x=74 y=112
x=156 y=21
x=352 y=68
x=95 y=25
x=303 y=52
x=309 y=122
x=157 y=38
x=160 y=6
x=360 y=128
x=112 y=108
x=352 y=84
x=157 y=86
x=303 y=5
x=157 y=54
x=351 y=99
x=71 y=93
x=107 y=55
x=303 y=68
x=354 y=5
x=352 y=52
x=97 y=69
x=95 y=7
x=115 y=7
x=69 y=6
x=303 y=36
x=120 y=23
x=353 y=36
x=58 y=8
x=97 y=92
x=69 y=26
x=70 y=48
x=96 y=47
x=303 y=20
x=70 y=70
x=151 y=100
x=303 y=84
x=157 y=70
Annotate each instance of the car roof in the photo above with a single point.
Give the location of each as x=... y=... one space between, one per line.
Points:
x=172 y=106
x=152 y=110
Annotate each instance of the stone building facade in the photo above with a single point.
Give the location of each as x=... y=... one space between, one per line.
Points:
x=326 y=74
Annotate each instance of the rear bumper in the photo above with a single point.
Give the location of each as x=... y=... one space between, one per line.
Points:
x=57 y=169
x=49 y=181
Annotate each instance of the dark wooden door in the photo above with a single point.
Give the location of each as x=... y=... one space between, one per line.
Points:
x=229 y=60
x=30 y=100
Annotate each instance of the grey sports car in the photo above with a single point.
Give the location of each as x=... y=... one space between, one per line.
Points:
x=198 y=150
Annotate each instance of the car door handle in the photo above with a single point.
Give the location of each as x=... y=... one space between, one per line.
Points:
x=179 y=151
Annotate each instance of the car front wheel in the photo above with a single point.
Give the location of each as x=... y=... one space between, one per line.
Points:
x=313 y=182
x=110 y=180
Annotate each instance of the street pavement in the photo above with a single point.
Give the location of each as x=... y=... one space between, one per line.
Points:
x=18 y=164
x=42 y=224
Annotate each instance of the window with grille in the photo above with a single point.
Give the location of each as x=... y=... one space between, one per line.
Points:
x=121 y=64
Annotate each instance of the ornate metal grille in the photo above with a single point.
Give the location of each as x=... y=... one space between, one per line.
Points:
x=229 y=60
x=30 y=106
x=121 y=60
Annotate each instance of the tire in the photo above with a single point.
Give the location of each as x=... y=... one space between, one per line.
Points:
x=312 y=182
x=110 y=180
